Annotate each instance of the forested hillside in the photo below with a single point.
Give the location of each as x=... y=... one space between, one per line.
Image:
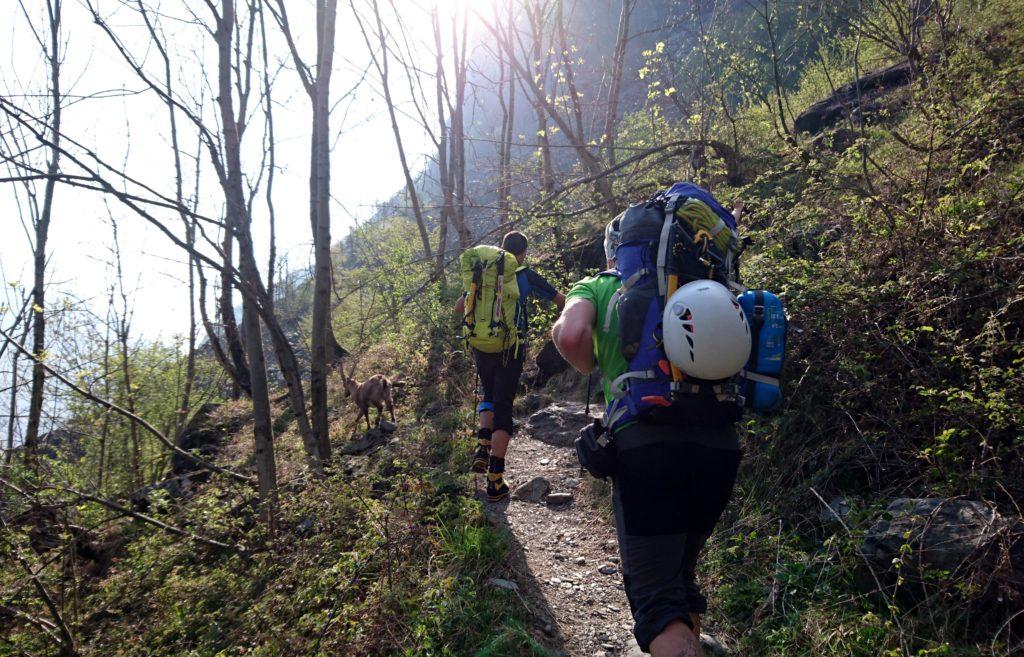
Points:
x=214 y=493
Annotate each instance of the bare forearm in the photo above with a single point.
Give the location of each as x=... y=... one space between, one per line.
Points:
x=575 y=341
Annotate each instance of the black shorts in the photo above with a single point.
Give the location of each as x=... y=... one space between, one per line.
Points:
x=668 y=494
x=499 y=377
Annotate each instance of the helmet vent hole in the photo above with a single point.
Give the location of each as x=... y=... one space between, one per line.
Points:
x=692 y=359
x=690 y=341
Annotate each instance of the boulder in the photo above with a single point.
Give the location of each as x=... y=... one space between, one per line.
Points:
x=388 y=427
x=533 y=402
x=943 y=534
x=549 y=363
x=201 y=436
x=836 y=141
x=836 y=512
x=559 y=424
x=532 y=491
x=873 y=86
x=370 y=440
x=174 y=487
x=586 y=254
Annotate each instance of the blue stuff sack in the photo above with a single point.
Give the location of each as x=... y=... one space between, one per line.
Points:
x=759 y=381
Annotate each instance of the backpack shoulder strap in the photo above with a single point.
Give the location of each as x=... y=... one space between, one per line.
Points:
x=672 y=202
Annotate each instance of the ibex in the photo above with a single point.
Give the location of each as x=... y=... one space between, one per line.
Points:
x=375 y=391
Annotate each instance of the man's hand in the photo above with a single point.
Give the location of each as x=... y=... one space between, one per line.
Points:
x=573 y=334
x=460 y=306
x=559 y=300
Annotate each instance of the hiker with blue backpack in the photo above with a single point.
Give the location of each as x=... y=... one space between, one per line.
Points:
x=683 y=349
x=494 y=313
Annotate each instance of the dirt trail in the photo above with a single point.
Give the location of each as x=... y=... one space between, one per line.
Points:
x=567 y=556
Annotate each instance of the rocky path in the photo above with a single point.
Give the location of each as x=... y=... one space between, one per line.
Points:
x=564 y=552
x=567 y=555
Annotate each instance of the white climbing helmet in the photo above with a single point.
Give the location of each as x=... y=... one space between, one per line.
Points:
x=612 y=237
x=706 y=333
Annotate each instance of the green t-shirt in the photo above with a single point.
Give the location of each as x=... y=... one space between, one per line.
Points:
x=598 y=290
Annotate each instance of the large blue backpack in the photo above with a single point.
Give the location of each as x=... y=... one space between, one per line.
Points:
x=677 y=236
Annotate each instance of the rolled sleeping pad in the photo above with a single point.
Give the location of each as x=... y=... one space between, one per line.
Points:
x=759 y=381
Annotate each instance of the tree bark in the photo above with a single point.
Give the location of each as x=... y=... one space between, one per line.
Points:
x=239 y=224
x=42 y=229
x=12 y=416
x=320 y=184
x=226 y=311
x=443 y=169
x=618 y=59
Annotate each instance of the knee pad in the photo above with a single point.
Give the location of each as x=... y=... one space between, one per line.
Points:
x=484 y=407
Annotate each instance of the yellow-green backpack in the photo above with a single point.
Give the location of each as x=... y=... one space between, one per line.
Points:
x=491 y=295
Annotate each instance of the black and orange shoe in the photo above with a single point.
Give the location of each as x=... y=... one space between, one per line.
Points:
x=497 y=489
x=482 y=454
x=480 y=457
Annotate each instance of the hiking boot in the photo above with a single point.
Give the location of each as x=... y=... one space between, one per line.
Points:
x=483 y=450
x=480 y=458
x=497 y=489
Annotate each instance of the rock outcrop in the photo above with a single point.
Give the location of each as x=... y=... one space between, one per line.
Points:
x=956 y=537
x=201 y=436
x=559 y=424
x=846 y=98
x=549 y=363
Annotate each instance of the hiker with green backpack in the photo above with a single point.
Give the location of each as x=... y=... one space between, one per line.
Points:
x=681 y=356
x=494 y=313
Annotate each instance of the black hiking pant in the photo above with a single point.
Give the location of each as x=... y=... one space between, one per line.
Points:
x=499 y=377
x=670 y=488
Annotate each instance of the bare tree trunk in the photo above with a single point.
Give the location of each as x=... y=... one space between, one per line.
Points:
x=238 y=222
x=443 y=144
x=241 y=378
x=320 y=181
x=42 y=229
x=324 y=346
x=458 y=137
x=122 y=331
x=380 y=62
x=211 y=332
x=105 y=427
x=505 y=203
x=12 y=417
x=190 y=364
x=618 y=59
x=272 y=162
x=541 y=59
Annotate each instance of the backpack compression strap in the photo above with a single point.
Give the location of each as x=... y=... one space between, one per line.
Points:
x=671 y=203
x=499 y=291
x=614 y=300
x=469 y=319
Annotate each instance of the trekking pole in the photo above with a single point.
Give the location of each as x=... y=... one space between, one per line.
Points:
x=590 y=379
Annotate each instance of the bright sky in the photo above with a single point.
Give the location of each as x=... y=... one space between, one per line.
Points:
x=131 y=129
